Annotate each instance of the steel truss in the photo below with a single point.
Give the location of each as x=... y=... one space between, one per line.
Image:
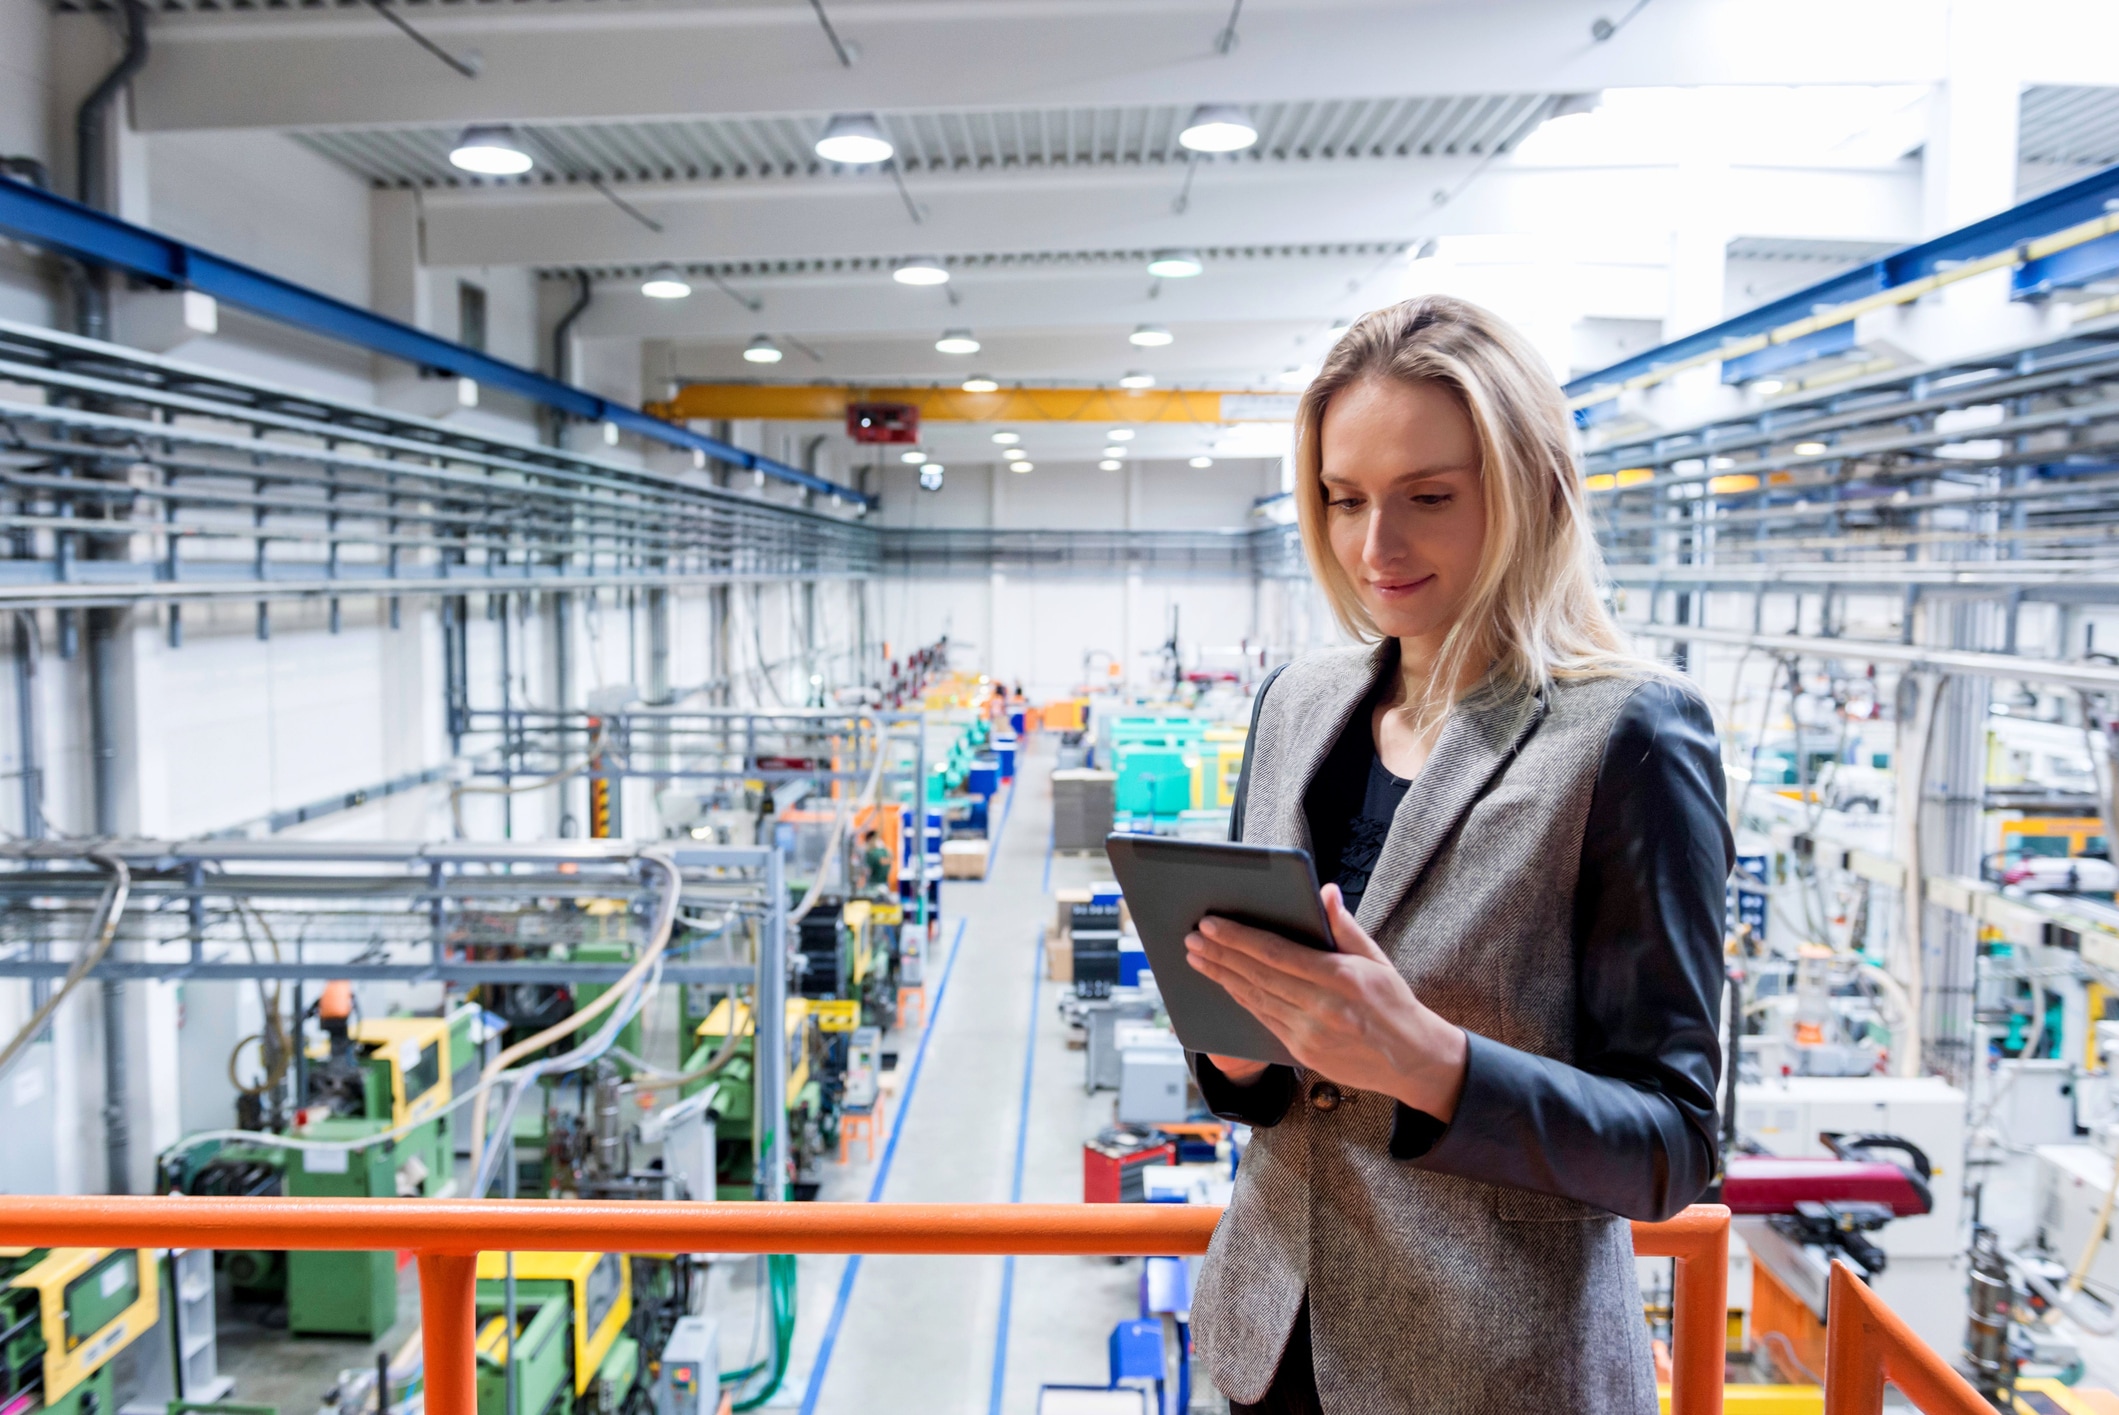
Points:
x=457 y=913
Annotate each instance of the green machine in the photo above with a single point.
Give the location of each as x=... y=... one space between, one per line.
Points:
x=343 y=1294
x=571 y=1349
x=363 y=1078
x=67 y=1313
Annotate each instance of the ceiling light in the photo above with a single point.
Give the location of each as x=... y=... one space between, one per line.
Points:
x=1811 y=449
x=920 y=270
x=855 y=139
x=1218 y=127
x=491 y=151
x=1137 y=379
x=956 y=341
x=1767 y=387
x=1114 y=450
x=664 y=283
x=1202 y=462
x=1020 y=467
x=1176 y=265
x=913 y=456
x=1150 y=336
x=1119 y=434
x=1109 y=465
x=762 y=350
x=979 y=383
x=1007 y=438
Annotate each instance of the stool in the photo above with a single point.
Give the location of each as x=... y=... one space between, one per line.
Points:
x=907 y=997
x=868 y=1119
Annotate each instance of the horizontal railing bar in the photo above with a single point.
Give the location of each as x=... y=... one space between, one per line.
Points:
x=464 y=1226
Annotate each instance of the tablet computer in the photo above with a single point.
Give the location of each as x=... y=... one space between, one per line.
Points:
x=1170 y=885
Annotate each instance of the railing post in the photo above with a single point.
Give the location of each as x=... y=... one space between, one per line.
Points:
x=1699 y=1301
x=447 y=1285
x=1866 y=1344
x=1699 y=1304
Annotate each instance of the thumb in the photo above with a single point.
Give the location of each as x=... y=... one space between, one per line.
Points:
x=1347 y=936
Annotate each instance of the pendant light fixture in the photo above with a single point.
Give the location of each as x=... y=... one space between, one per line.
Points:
x=956 y=341
x=491 y=150
x=1175 y=265
x=1150 y=336
x=665 y=283
x=762 y=350
x=855 y=139
x=921 y=270
x=1218 y=127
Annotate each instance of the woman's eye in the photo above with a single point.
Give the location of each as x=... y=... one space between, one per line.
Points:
x=1346 y=503
x=1438 y=498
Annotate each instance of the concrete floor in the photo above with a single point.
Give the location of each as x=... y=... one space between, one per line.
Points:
x=924 y=1333
x=292 y=1374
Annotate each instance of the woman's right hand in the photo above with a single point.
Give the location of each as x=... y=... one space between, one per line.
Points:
x=1237 y=1069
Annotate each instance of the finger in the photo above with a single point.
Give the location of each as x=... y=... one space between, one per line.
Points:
x=1348 y=936
x=1290 y=957
x=1264 y=972
x=1261 y=991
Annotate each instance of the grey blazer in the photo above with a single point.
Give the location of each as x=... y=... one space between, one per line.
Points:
x=1552 y=883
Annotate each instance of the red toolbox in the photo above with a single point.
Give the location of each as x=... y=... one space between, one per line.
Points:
x=1112 y=1162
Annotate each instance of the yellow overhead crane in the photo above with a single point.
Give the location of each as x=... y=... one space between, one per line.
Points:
x=828 y=403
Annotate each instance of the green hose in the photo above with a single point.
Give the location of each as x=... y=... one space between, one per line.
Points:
x=780 y=1281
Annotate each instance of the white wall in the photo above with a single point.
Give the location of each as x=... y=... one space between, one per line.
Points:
x=26 y=276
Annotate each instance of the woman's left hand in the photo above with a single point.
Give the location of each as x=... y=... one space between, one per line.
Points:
x=1348 y=1015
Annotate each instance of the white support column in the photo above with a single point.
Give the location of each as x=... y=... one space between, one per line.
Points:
x=1968 y=167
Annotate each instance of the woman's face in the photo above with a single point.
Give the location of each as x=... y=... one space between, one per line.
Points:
x=1405 y=507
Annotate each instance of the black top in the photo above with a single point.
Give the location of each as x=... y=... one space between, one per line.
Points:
x=1349 y=806
x=1628 y=1124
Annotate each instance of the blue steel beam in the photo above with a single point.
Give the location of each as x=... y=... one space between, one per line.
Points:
x=45 y=219
x=2042 y=215
x=2065 y=270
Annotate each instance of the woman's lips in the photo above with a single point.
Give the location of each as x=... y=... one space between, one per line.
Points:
x=1399 y=589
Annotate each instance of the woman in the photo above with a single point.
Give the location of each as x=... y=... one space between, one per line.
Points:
x=1521 y=828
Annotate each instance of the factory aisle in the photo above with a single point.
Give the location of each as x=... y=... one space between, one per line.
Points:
x=919 y=1333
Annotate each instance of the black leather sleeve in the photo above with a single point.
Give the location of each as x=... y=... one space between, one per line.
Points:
x=1261 y=1103
x=1630 y=1127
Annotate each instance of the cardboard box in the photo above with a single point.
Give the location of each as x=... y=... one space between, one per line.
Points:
x=964 y=859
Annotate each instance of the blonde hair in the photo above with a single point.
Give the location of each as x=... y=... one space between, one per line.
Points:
x=1534 y=610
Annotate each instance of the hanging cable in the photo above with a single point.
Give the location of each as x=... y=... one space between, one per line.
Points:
x=467 y=67
x=650 y=958
x=102 y=932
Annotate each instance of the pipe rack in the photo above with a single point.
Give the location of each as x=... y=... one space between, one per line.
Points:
x=459 y=913
x=106 y=243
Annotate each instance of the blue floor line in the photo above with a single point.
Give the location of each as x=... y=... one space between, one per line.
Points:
x=1051 y=838
x=1015 y=1185
x=875 y=1188
x=993 y=842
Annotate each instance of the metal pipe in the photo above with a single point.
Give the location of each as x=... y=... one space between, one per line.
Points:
x=2094 y=677
x=28 y=743
x=448 y=1285
x=561 y=362
x=92 y=159
x=102 y=713
x=769 y=1027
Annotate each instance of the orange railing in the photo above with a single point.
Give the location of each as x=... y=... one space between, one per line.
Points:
x=1867 y=1344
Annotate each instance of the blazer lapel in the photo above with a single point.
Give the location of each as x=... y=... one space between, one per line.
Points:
x=1477 y=740
x=1314 y=721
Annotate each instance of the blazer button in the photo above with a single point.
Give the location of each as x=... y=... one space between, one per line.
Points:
x=1325 y=1096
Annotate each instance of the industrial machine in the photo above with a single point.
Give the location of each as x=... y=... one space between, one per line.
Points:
x=724 y=1062
x=570 y=1349
x=68 y=1312
x=363 y=1077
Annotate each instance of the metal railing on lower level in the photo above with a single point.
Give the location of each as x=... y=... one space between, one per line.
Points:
x=1867 y=1344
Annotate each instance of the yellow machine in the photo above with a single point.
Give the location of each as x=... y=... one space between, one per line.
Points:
x=417 y=1049
x=599 y=1289
x=90 y=1304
